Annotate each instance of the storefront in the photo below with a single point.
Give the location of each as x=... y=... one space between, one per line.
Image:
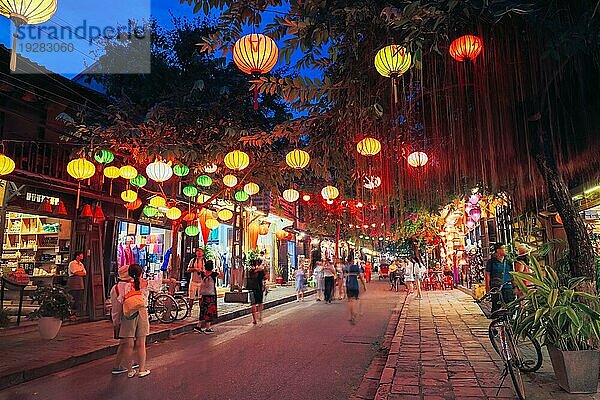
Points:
x=142 y=243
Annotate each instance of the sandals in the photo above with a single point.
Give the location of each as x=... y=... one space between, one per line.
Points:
x=144 y=373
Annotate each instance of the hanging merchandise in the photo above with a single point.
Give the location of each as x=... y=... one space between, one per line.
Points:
x=139 y=181
x=129 y=196
x=86 y=211
x=192 y=230
x=128 y=172
x=173 y=213
x=330 y=192
x=7 y=165
x=241 y=196
x=225 y=214
x=237 y=160
x=150 y=211
x=297 y=159
x=417 y=159
x=104 y=156
x=159 y=171
x=190 y=191
x=230 y=181
x=134 y=205
x=212 y=224
x=158 y=201
x=372 y=182
x=204 y=181
x=111 y=173
x=98 y=214
x=392 y=62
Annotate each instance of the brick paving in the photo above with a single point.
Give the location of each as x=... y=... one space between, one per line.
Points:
x=25 y=356
x=440 y=350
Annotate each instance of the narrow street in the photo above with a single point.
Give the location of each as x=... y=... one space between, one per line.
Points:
x=302 y=350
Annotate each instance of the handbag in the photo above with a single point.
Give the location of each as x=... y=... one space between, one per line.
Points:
x=133 y=303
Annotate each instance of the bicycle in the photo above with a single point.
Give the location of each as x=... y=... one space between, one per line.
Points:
x=395 y=281
x=518 y=354
x=183 y=305
x=163 y=306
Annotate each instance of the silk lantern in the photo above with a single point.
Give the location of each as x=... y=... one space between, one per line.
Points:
x=225 y=214
x=330 y=193
x=204 y=215
x=212 y=223
x=190 y=191
x=173 y=213
x=475 y=214
x=7 y=165
x=150 y=211
x=417 y=159
x=209 y=169
x=192 y=230
x=392 y=62
x=255 y=54
x=368 y=146
x=128 y=172
x=297 y=159
x=104 y=156
x=372 y=182
x=158 y=201
x=230 y=181
x=241 y=196
x=159 y=171
x=181 y=170
x=237 y=160
x=291 y=195
x=466 y=47
x=204 y=181
x=139 y=181
x=80 y=169
x=264 y=228
x=111 y=173
x=134 y=205
x=129 y=196
x=251 y=188
x=253 y=232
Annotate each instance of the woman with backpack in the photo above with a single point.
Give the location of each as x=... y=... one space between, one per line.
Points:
x=208 y=304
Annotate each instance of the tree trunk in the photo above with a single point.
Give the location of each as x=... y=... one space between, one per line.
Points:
x=581 y=253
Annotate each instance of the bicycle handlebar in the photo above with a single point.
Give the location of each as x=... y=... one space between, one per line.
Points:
x=493 y=291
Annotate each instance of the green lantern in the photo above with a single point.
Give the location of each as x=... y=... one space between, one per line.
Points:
x=190 y=191
x=192 y=230
x=204 y=180
x=139 y=181
x=104 y=156
x=181 y=170
x=241 y=196
x=150 y=211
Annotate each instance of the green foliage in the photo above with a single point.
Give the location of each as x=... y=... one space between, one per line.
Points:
x=252 y=257
x=4 y=318
x=54 y=301
x=557 y=313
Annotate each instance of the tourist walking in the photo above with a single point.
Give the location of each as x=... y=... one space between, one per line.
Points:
x=497 y=273
x=195 y=269
x=339 y=279
x=256 y=284
x=75 y=282
x=135 y=324
x=300 y=276
x=116 y=312
x=208 y=304
x=319 y=280
x=409 y=276
x=368 y=270
x=419 y=272
x=329 y=277
x=353 y=276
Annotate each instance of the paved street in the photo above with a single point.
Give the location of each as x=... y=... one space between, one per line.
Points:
x=303 y=350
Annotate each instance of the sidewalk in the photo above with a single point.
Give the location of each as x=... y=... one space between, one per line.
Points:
x=441 y=350
x=25 y=356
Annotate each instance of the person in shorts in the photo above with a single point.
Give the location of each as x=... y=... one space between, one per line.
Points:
x=195 y=269
x=256 y=285
x=353 y=275
x=208 y=304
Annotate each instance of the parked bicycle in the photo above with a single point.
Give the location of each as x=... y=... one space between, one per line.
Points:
x=518 y=353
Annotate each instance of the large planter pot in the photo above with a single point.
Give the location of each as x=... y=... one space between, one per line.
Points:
x=576 y=371
x=49 y=327
x=279 y=280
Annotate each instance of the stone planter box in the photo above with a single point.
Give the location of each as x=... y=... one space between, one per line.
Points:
x=576 y=371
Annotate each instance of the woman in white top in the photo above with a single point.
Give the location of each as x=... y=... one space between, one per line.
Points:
x=409 y=275
x=319 y=280
x=419 y=274
x=75 y=282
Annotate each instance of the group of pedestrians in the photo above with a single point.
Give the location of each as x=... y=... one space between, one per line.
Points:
x=410 y=272
x=325 y=275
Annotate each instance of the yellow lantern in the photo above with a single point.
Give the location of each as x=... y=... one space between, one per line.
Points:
x=251 y=188
x=330 y=192
x=159 y=171
x=291 y=195
x=297 y=159
x=7 y=165
x=417 y=159
x=368 y=146
x=112 y=172
x=173 y=213
x=158 y=201
x=212 y=223
x=236 y=160
x=393 y=61
x=255 y=54
x=225 y=214
x=128 y=172
x=80 y=169
x=23 y=12
x=230 y=180
x=129 y=196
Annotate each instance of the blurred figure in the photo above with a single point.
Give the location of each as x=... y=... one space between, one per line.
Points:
x=300 y=276
x=368 y=269
x=329 y=277
x=339 y=279
x=353 y=276
x=319 y=280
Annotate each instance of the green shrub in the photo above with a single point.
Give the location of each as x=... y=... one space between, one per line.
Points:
x=54 y=302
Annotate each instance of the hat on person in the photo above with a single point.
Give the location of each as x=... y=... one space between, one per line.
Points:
x=124 y=273
x=523 y=249
x=494 y=247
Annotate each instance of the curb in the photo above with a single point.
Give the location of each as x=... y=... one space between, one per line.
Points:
x=369 y=385
x=19 y=377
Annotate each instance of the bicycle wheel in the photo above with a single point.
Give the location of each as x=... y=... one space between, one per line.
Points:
x=183 y=308
x=529 y=348
x=494 y=334
x=165 y=308
x=512 y=361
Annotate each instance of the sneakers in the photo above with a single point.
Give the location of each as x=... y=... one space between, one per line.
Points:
x=198 y=329
x=119 y=371
x=209 y=331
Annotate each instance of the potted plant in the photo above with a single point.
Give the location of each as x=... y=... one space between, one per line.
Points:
x=566 y=320
x=55 y=306
x=279 y=274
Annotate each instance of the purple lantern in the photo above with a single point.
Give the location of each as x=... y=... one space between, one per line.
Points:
x=468 y=208
x=475 y=214
x=470 y=224
x=474 y=198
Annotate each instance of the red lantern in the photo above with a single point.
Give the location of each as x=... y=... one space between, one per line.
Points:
x=99 y=214
x=466 y=47
x=45 y=206
x=134 y=204
x=61 y=209
x=87 y=211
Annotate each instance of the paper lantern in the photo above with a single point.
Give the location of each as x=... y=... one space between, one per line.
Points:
x=329 y=201
x=189 y=216
x=129 y=196
x=253 y=233
x=251 y=188
x=372 y=182
x=281 y=234
x=159 y=171
x=297 y=159
x=368 y=146
x=209 y=169
x=470 y=224
x=212 y=224
x=190 y=191
x=236 y=160
x=61 y=209
x=241 y=196
x=128 y=172
x=134 y=205
x=474 y=198
x=158 y=201
x=150 y=211
x=202 y=198
x=139 y=181
x=104 y=156
x=80 y=169
x=45 y=206
x=330 y=192
x=255 y=54
x=225 y=214
x=291 y=195
x=181 y=170
x=192 y=230
x=7 y=165
x=417 y=159
x=230 y=181
x=359 y=204
x=558 y=218
x=306 y=197
x=112 y=172
x=264 y=228
x=475 y=214
x=173 y=213
x=86 y=211
x=204 y=180
x=98 y=214
x=204 y=215
x=393 y=61
x=22 y=12
x=466 y=47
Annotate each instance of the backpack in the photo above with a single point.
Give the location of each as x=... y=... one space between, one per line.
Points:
x=133 y=303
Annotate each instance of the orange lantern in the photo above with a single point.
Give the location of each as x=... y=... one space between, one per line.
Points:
x=204 y=215
x=297 y=159
x=189 y=216
x=558 y=219
x=236 y=160
x=466 y=47
x=134 y=204
x=253 y=232
x=281 y=234
x=417 y=159
x=368 y=146
x=255 y=54
x=264 y=228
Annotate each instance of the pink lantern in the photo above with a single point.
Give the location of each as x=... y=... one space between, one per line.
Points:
x=474 y=198
x=468 y=208
x=470 y=224
x=475 y=214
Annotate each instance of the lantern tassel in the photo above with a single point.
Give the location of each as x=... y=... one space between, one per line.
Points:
x=13 y=53
x=255 y=97
x=395 y=88
x=110 y=189
x=78 y=194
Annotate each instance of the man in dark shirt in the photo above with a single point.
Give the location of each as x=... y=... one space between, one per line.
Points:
x=497 y=272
